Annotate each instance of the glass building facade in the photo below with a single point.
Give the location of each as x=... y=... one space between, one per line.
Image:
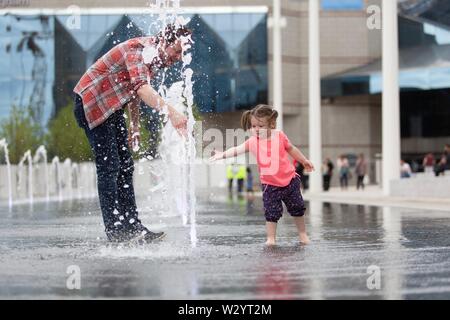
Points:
x=424 y=79
x=43 y=57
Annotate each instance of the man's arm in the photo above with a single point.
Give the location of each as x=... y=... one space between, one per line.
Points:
x=139 y=74
x=155 y=101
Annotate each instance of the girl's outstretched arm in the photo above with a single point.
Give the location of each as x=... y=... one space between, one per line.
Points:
x=298 y=155
x=232 y=152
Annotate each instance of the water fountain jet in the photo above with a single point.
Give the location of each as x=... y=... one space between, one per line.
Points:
x=4 y=145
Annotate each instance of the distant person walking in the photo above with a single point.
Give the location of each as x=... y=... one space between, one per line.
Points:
x=360 y=171
x=405 y=169
x=241 y=175
x=428 y=163
x=300 y=170
x=328 y=168
x=250 y=181
x=444 y=162
x=231 y=172
x=447 y=156
x=344 y=171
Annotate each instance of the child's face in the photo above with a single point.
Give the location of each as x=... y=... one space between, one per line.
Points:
x=260 y=127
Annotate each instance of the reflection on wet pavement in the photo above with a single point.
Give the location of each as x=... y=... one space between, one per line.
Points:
x=410 y=248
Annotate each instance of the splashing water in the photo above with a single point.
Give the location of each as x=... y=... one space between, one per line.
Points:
x=178 y=153
x=4 y=145
x=56 y=166
x=27 y=157
x=41 y=153
x=67 y=165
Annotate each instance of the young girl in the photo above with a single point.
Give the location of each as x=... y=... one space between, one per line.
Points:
x=277 y=173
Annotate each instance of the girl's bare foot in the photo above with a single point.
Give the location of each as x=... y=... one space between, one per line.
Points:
x=304 y=239
x=270 y=242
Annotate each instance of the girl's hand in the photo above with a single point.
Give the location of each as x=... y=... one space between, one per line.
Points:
x=309 y=167
x=217 y=156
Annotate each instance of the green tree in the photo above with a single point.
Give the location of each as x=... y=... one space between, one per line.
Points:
x=66 y=139
x=197 y=113
x=21 y=133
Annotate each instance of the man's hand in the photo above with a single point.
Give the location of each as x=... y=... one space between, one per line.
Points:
x=154 y=100
x=179 y=122
x=134 y=138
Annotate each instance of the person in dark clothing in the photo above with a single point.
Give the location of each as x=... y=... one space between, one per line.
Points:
x=444 y=162
x=300 y=170
x=360 y=171
x=327 y=174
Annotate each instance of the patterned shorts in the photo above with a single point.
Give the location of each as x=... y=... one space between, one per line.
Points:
x=273 y=198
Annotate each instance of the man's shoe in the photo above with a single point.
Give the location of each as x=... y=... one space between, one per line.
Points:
x=153 y=236
x=143 y=235
x=139 y=234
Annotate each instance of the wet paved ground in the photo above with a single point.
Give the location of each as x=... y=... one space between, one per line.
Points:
x=410 y=248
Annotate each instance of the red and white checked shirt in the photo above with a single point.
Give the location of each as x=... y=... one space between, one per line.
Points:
x=113 y=80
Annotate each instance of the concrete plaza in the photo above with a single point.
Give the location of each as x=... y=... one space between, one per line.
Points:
x=406 y=250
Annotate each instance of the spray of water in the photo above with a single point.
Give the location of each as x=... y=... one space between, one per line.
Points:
x=178 y=153
x=41 y=153
x=74 y=174
x=67 y=165
x=27 y=157
x=4 y=145
x=57 y=168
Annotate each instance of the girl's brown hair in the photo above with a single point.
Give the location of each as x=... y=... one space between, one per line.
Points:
x=261 y=111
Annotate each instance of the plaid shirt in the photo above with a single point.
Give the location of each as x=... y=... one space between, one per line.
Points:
x=113 y=80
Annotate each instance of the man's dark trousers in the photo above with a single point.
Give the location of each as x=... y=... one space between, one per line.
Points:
x=115 y=167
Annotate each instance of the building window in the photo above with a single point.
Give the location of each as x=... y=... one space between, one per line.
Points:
x=342 y=4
